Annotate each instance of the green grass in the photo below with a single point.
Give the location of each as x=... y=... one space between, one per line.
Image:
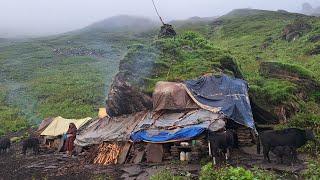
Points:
x=11 y=119
x=246 y=39
x=37 y=83
x=244 y=32
x=187 y=56
x=208 y=172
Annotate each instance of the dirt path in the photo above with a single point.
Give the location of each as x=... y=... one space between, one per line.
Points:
x=13 y=165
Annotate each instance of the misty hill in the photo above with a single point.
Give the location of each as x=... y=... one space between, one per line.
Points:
x=274 y=51
x=67 y=74
x=123 y=23
x=308 y=9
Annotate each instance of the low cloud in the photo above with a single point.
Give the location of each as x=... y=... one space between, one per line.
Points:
x=44 y=17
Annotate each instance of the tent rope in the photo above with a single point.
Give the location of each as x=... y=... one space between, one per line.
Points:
x=155 y=8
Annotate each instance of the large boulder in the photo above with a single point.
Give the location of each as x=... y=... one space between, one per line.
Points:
x=167 y=31
x=123 y=98
x=300 y=87
x=292 y=73
x=295 y=30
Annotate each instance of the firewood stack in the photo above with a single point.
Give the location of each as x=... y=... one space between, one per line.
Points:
x=244 y=136
x=108 y=154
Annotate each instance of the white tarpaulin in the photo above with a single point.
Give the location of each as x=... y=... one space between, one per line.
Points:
x=59 y=125
x=109 y=129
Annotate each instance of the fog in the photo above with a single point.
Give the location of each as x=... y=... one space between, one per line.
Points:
x=47 y=17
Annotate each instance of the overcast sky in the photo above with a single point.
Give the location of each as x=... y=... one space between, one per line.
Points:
x=43 y=17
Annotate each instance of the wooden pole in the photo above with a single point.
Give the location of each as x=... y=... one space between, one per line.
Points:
x=155 y=8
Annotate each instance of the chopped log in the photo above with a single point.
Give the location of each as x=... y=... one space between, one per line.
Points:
x=108 y=154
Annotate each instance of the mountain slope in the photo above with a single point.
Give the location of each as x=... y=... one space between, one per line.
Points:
x=69 y=75
x=123 y=23
x=65 y=75
x=278 y=54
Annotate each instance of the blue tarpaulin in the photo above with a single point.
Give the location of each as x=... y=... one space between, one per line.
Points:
x=157 y=136
x=176 y=126
x=229 y=95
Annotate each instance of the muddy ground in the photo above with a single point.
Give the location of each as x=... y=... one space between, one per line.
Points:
x=50 y=165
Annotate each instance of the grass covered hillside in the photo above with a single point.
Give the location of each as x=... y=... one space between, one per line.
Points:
x=278 y=55
x=276 y=52
x=69 y=75
x=66 y=75
x=187 y=56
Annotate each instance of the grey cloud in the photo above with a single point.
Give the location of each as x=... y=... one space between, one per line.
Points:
x=43 y=17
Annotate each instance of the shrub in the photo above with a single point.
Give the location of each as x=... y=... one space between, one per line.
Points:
x=313 y=170
x=233 y=173
x=166 y=175
x=275 y=91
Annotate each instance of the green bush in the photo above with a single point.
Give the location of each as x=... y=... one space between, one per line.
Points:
x=166 y=175
x=233 y=173
x=313 y=170
x=275 y=91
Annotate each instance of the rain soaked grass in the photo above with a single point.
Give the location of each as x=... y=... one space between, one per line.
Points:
x=37 y=83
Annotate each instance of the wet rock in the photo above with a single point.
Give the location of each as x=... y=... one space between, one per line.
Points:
x=123 y=98
x=305 y=83
x=231 y=65
x=295 y=30
x=315 y=38
x=288 y=72
x=266 y=43
x=217 y=23
x=314 y=51
x=132 y=170
x=262 y=116
x=167 y=31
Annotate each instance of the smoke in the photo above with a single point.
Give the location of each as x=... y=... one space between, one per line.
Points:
x=44 y=17
x=18 y=97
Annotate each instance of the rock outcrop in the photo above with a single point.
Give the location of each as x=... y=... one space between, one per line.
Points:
x=289 y=72
x=167 y=31
x=295 y=30
x=123 y=98
x=314 y=51
x=315 y=38
x=304 y=82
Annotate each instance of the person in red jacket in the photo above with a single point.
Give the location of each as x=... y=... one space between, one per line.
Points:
x=71 y=136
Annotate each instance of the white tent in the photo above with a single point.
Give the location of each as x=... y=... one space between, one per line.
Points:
x=60 y=125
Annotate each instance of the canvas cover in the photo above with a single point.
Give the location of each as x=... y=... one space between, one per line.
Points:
x=171 y=96
x=109 y=129
x=172 y=127
x=60 y=125
x=102 y=113
x=224 y=94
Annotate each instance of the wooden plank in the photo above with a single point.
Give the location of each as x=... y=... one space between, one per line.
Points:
x=124 y=152
x=60 y=145
x=154 y=153
x=138 y=157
